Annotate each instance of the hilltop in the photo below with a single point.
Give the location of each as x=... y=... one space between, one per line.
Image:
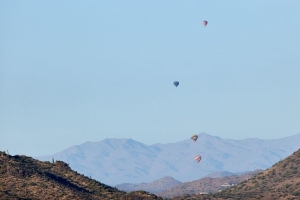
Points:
x=281 y=181
x=23 y=177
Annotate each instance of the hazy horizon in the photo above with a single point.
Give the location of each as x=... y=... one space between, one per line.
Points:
x=76 y=71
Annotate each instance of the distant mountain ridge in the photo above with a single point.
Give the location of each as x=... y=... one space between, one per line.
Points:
x=169 y=187
x=153 y=187
x=206 y=185
x=116 y=161
x=224 y=174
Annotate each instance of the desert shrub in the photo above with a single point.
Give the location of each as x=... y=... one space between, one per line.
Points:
x=273 y=172
x=296 y=193
x=32 y=184
x=284 y=165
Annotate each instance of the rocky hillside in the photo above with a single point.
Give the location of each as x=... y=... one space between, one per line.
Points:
x=282 y=181
x=206 y=185
x=153 y=187
x=23 y=177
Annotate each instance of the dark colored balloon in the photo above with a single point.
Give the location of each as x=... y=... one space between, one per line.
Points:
x=176 y=83
x=204 y=23
x=194 y=137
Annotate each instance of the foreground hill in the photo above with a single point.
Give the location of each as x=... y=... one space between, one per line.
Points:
x=206 y=185
x=153 y=187
x=282 y=181
x=23 y=177
x=117 y=161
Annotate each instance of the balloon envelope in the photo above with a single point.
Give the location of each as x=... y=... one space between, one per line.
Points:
x=204 y=23
x=197 y=158
x=176 y=83
x=194 y=137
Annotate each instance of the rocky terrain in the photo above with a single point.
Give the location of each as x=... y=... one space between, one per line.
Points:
x=153 y=187
x=23 y=177
x=281 y=181
x=206 y=185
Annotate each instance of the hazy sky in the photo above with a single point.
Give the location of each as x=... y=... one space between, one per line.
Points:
x=77 y=71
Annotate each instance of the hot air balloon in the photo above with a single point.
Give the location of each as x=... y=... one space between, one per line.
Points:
x=197 y=158
x=176 y=83
x=204 y=23
x=194 y=137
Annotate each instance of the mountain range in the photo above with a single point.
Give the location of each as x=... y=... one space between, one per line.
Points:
x=116 y=161
x=166 y=185
x=22 y=177
x=152 y=187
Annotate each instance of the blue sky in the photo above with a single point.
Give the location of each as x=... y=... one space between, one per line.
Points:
x=77 y=71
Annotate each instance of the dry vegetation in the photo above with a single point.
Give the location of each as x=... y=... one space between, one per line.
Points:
x=22 y=177
x=282 y=181
x=205 y=185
